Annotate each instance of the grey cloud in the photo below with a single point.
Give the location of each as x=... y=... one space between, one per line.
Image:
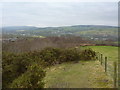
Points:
x=57 y=14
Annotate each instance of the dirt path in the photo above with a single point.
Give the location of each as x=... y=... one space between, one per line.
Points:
x=87 y=74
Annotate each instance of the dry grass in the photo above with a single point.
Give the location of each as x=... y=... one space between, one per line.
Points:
x=85 y=74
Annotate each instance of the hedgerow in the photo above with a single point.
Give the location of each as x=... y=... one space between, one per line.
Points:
x=33 y=78
x=20 y=69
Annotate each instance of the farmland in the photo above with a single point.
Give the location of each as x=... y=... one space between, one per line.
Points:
x=109 y=51
x=93 y=32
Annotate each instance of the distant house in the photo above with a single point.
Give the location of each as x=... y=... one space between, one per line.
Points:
x=96 y=38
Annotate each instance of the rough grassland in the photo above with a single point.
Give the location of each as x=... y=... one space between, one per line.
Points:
x=111 y=53
x=85 y=74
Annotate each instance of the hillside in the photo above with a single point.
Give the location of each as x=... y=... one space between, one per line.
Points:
x=96 y=32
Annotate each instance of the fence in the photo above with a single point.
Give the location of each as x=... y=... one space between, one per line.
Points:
x=110 y=68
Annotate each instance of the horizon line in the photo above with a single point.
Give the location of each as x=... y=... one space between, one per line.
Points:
x=62 y=25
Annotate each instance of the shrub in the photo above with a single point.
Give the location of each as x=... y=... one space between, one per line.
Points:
x=15 y=65
x=8 y=69
x=56 y=56
x=21 y=69
x=50 y=55
x=69 y=55
x=33 y=78
x=87 y=54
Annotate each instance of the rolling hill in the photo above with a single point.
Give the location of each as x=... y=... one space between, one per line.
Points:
x=88 y=31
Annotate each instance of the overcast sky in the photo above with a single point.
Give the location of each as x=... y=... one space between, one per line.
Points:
x=48 y=14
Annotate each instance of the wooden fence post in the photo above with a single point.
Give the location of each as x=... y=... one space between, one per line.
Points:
x=105 y=64
x=115 y=74
x=101 y=58
x=97 y=56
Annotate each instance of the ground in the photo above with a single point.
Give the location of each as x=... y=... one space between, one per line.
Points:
x=85 y=74
x=111 y=53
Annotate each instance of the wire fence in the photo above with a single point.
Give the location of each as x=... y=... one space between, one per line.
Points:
x=110 y=67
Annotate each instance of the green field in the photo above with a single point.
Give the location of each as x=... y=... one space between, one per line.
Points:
x=111 y=53
x=98 y=32
x=85 y=74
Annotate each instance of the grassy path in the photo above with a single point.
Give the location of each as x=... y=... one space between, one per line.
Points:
x=85 y=74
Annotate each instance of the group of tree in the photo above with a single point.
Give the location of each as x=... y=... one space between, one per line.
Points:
x=30 y=44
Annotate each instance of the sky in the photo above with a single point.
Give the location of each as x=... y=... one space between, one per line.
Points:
x=52 y=14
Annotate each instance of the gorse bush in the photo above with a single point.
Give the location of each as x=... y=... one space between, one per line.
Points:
x=33 y=78
x=16 y=65
x=25 y=70
x=8 y=69
x=54 y=56
x=87 y=54
x=68 y=55
x=50 y=55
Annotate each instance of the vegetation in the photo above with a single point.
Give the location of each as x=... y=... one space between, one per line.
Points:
x=111 y=53
x=32 y=44
x=85 y=74
x=107 y=51
x=15 y=65
x=51 y=57
x=33 y=78
x=96 y=33
x=26 y=69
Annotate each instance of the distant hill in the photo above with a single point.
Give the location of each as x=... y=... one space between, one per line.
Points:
x=14 y=28
x=89 y=31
